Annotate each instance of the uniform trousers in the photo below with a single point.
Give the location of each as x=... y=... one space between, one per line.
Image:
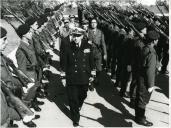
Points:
x=142 y=98
x=76 y=96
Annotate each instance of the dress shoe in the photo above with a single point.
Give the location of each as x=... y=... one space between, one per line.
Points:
x=36 y=108
x=30 y=124
x=36 y=117
x=75 y=124
x=39 y=102
x=144 y=122
x=41 y=95
x=12 y=125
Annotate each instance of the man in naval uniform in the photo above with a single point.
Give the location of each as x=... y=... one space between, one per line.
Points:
x=78 y=66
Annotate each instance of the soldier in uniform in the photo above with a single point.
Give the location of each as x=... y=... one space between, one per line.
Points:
x=27 y=61
x=65 y=31
x=9 y=85
x=138 y=44
x=96 y=37
x=146 y=78
x=72 y=23
x=77 y=64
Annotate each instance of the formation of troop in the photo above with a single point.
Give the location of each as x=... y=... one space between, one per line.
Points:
x=131 y=45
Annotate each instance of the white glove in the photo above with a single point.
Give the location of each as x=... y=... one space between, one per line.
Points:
x=62 y=74
x=150 y=89
x=91 y=79
x=105 y=57
x=63 y=82
x=93 y=73
x=129 y=68
x=29 y=85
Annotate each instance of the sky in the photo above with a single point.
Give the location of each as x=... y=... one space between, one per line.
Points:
x=147 y=2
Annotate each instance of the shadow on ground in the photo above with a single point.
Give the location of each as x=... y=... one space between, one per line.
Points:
x=162 y=81
x=109 y=117
x=57 y=92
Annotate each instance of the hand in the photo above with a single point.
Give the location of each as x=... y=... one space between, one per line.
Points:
x=150 y=89
x=91 y=79
x=129 y=69
x=90 y=42
x=62 y=74
x=105 y=57
x=93 y=73
x=29 y=85
x=63 y=82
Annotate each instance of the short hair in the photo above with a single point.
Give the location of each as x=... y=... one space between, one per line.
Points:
x=3 y=32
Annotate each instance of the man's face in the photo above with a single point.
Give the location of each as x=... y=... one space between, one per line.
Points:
x=35 y=25
x=66 y=24
x=3 y=43
x=29 y=35
x=72 y=20
x=85 y=26
x=155 y=42
x=77 y=38
x=93 y=23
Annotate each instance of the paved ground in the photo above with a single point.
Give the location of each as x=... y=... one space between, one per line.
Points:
x=102 y=108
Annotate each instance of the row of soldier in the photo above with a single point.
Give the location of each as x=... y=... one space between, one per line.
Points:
x=133 y=50
x=133 y=57
x=109 y=43
x=21 y=85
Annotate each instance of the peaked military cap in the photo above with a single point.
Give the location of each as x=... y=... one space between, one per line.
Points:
x=153 y=35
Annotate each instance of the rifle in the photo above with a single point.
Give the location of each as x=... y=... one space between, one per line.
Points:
x=14 y=100
x=24 y=79
x=134 y=29
x=13 y=15
x=155 y=27
x=161 y=11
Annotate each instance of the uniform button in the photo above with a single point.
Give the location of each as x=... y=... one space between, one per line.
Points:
x=75 y=71
x=75 y=65
x=73 y=54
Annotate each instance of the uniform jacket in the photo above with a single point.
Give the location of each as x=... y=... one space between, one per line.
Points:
x=6 y=75
x=26 y=58
x=98 y=39
x=149 y=65
x=77 y=62
x=4 y=109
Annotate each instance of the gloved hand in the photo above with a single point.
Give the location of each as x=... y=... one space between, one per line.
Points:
x=150 y=89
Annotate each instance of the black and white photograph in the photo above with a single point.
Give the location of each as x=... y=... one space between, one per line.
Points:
x=84 y=63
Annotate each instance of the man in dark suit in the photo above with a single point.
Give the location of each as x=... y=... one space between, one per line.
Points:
x=97 y=37
x=78 y=65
